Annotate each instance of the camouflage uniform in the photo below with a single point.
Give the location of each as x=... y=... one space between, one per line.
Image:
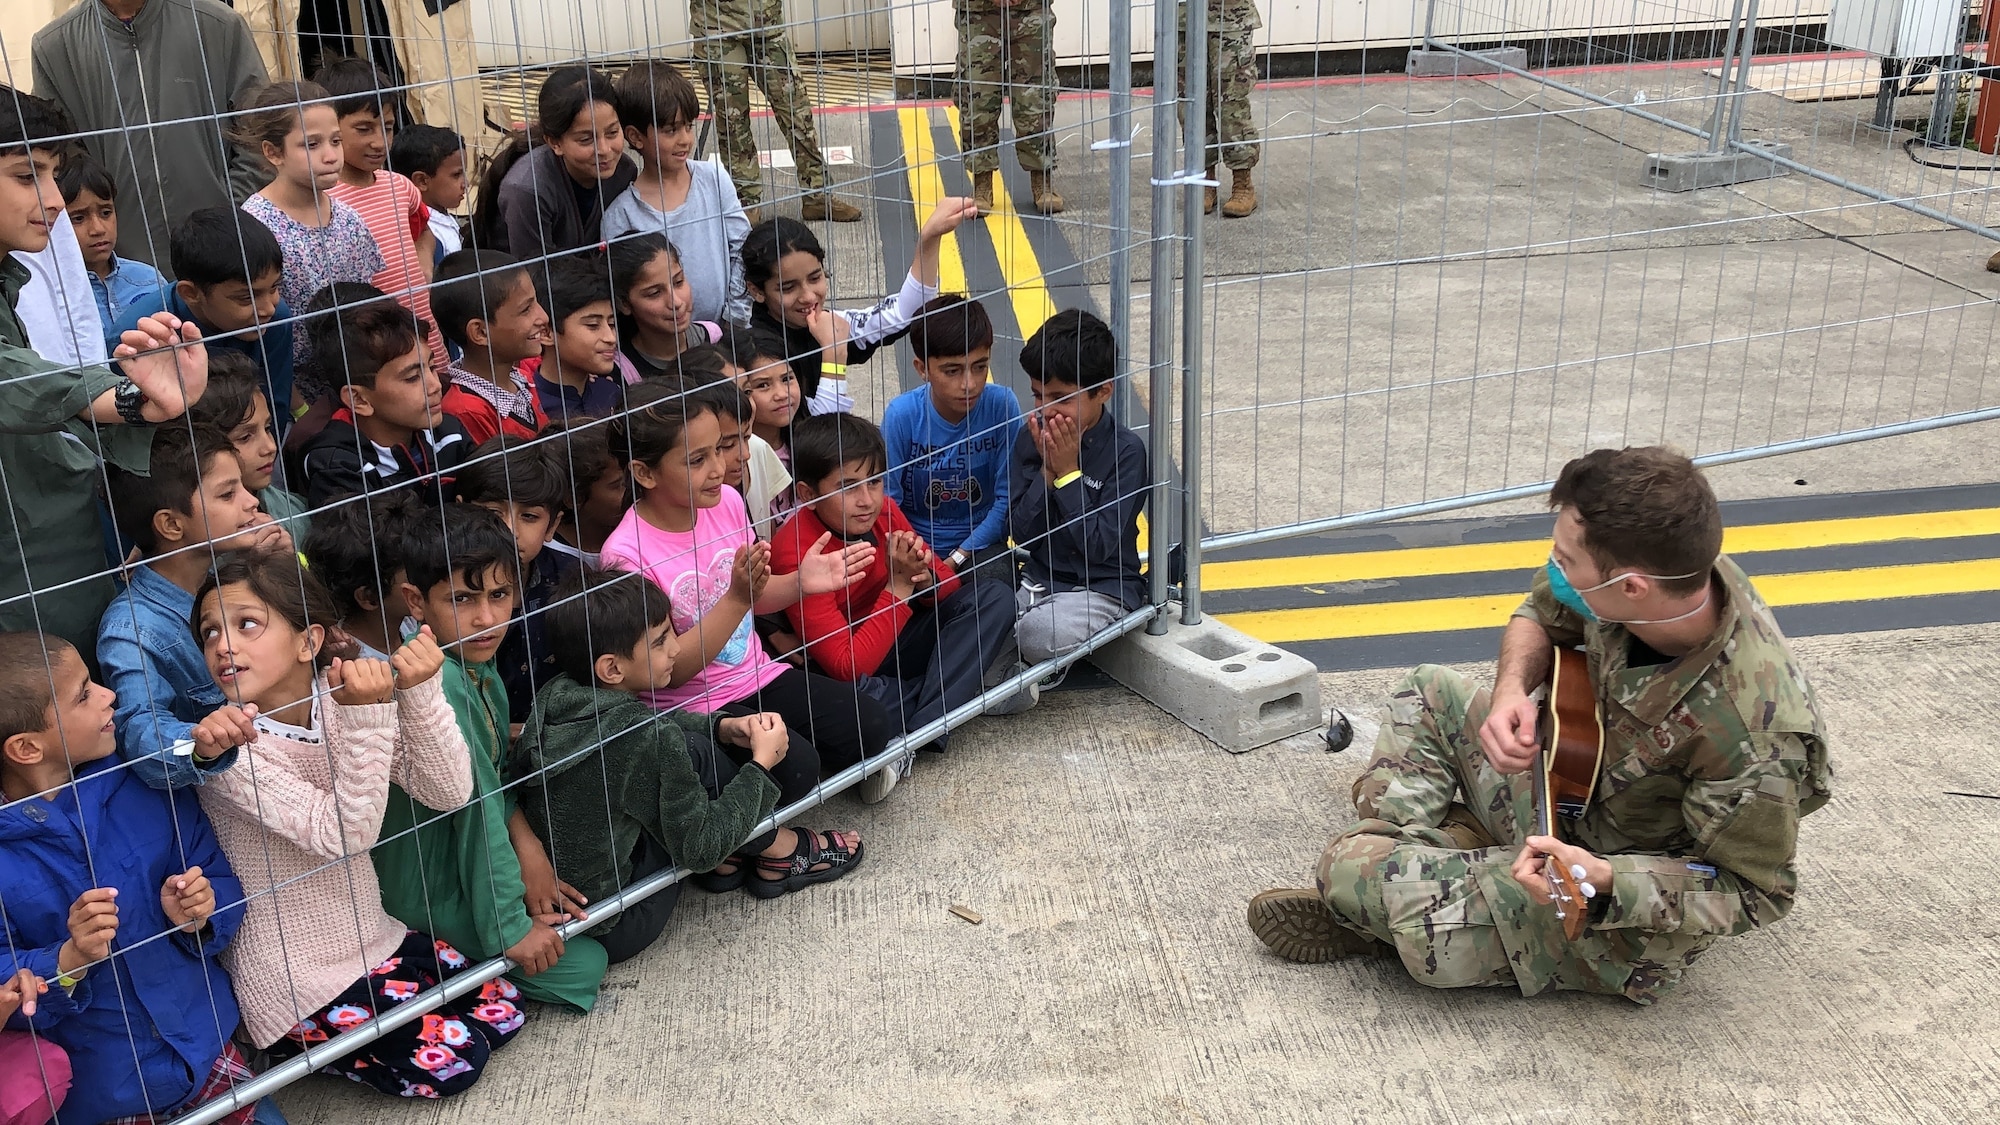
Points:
x=1232 y=75
x=1005 y=52
x=737 y=40
x=1710 y=762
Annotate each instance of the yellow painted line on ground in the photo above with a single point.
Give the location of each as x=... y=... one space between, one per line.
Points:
x=927 y=188
x=1437 y=615
x=1474 y=558
x=1020 y=269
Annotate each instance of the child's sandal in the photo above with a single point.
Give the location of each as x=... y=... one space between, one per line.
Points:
x=817 y=857
x=722 y=882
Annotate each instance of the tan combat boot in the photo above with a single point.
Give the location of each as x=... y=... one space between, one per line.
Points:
x=827 y=205
x=1208 y=194
x=1242 y=195
x=1298 y=926
x=1046 y=199
x=1993 y=263
x=982 y=192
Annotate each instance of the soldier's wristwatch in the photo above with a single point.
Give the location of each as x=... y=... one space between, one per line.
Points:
x=131 y=403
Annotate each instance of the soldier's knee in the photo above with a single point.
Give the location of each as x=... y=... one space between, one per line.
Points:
x=1351 y=867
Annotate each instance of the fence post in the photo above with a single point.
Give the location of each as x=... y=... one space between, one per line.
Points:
x=1160 y=352
x=1194 y=137
x=1119 y=146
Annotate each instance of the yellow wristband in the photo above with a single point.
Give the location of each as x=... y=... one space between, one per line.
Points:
x=299 y=412
x=1067 y=479
x=837 y=370
x=69 y=981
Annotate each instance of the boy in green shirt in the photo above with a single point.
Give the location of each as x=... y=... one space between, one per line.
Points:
x=477 y=877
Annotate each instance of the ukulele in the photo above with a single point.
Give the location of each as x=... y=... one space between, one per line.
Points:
x=1565 y=775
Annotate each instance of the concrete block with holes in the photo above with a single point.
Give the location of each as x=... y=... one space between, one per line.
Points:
x=1424 y=63
x=1229 y=687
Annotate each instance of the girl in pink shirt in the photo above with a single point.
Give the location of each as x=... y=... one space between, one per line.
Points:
x=692 y=535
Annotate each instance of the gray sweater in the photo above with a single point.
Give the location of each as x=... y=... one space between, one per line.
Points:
x=181 y=62
x=539 y=205
x=708 y=229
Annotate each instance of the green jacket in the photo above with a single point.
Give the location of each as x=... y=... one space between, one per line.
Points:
x=454 y=875
x=49 y=463
x=597 y=768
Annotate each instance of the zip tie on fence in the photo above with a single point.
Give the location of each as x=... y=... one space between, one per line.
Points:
x=1189 y=178
x=892 y=757
x=1111 y=143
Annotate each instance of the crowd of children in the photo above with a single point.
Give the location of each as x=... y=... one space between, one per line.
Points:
x=514 y=568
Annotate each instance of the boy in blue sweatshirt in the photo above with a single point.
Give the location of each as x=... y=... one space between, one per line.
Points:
x=951 y=441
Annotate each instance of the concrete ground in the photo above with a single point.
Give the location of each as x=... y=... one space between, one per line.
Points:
x=1111 y=851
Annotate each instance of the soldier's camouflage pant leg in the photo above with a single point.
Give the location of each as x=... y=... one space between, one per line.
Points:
x=1005 y=54
x=729 y=63
x=777 y=71
x=1457 y=918
x=1232 y=77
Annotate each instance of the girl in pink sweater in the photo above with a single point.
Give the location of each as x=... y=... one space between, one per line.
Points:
x=322 y=739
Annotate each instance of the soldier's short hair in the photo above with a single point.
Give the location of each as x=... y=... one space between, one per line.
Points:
x=1646 y=507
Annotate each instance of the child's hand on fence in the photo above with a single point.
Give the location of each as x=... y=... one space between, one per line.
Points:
x=548 y=899
x=93 y=922
x=188 y=899
x=538 y=951
x=1060 y=444
x=418 y=660
x=170 y=376
x=223 y=729
x=947 y=215
x=19 y=993
x=823 y=572
x=357 y=683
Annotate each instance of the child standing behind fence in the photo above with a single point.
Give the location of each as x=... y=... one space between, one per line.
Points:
x=323 y=738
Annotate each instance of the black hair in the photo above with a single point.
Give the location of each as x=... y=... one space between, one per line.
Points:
x=654 y=94
x=27 y=121
x=472 y=285
x=359 y=545
x=231 y=397
x=1072 y=349
x=356 y=86
x=27 y=677
x=723 y=397
x=217 y=244
x=567 y=286
x=79 y=174
x=657 y=416
x=769 y=242
x=288 y=589
x=767 y=342
x=702 y=365
x=423 y=148
x=631 y=256
x=565 y=94
x=181 y=454
x=581 y=454
x=461 y=539
x=506 y=470
x=350 y=346
x=950 y=324
x=598 y=612
x=823 y=443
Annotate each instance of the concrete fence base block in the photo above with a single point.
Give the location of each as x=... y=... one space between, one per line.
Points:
x=1691 y=171
x=1235 y=690
x=1425 y=63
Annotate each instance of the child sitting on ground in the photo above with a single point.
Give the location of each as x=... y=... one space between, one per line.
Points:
x=191 y=505
x=477 y=877
x=389 y=203
x=230 y=271
x=749 y=464
x=322 y=739
x=581 y=373
x=545 y=194
x=599 y=491
x=356 y=551
x=691 y=534
x=524 y=486
x=1080 y=484
x=390 y=430
x=118 y=283
x=784 y=268
x=486 y=302
x=951 y=440
x=693 y=203
x=234 y=403
x=434 y=160
x=620 y=792
x=157 y=885
x=907 y=633
x=757 y=363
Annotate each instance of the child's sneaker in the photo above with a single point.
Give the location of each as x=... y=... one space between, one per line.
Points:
x=877 y=785
x=1029 y=695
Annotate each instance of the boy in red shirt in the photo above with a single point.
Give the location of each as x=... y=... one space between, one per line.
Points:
x=907 y=633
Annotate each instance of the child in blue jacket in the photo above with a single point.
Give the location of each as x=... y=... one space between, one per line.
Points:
x=115 y=893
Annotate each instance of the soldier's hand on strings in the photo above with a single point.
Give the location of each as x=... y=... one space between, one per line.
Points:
x=188 y=899
x=223 y=729
x=418 y=660
x=1508 y=734
x=165 y=357
x=358 y=683
x=19 y=993
x=1528 y=867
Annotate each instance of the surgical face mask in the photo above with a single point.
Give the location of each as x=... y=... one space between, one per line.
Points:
x=1567 y=593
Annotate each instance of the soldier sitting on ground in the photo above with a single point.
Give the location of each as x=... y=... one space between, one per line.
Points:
x=1713 y=749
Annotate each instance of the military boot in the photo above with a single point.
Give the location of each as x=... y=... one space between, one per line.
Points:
x=1242 y=195
x=982 y=192
x=1208 y=193
x=1046 y=199
x=827 y=205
